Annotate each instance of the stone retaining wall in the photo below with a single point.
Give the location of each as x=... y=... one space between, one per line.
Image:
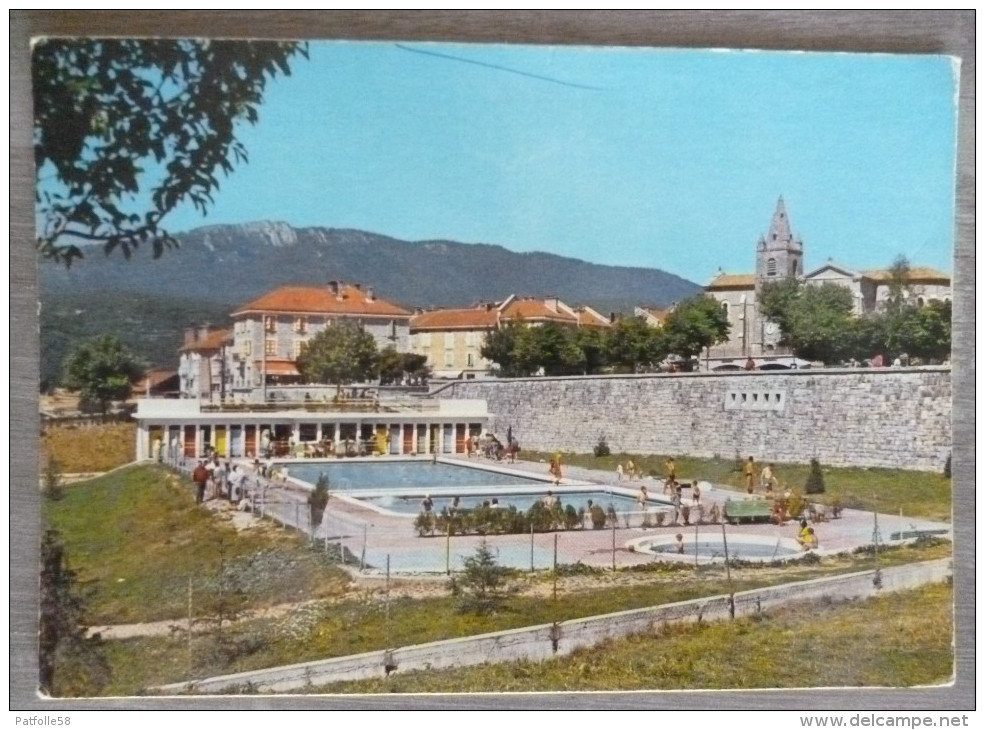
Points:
x=896 y=418
x=537 y=643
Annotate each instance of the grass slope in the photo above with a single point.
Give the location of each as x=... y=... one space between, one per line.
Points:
x=896 y=640
x=136 y=539
x=916 y=493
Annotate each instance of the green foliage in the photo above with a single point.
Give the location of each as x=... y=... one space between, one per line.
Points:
x=339 y=354
x=947 y=467
x=394 y=366
x=70 y=662
x=634 y=344
x=821 y=323
x=509 y=348
x=602 y=447
x=693 y=325
x=776 y=303
x=102 y=370
x=149 y=324
x=318 y=500
x=482 y=586
x=121 y=121
x=52 y=485
x=815 y=479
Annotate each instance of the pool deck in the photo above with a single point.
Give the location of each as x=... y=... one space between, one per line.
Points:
x=388 y=534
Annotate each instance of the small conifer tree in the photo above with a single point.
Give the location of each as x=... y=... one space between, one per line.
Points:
x=318 y=501
x=815 y=479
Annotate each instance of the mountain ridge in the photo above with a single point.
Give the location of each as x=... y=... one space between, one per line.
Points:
x=244 y=260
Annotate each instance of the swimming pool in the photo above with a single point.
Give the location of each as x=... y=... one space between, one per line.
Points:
x=410 y=504
x=353 y=476
x=711 y=548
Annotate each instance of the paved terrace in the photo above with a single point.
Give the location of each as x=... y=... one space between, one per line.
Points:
x=370 y=536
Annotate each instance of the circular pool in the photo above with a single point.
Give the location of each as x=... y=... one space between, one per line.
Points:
x=710 y=548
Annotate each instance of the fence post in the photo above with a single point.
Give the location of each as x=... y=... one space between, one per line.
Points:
x=362 y=556
x=695 y=544
x=297 y=515
x=555 y=568
x=728 y=574
x=531 y=547
x=448 y=547
x=613 y=544
x=387 y=632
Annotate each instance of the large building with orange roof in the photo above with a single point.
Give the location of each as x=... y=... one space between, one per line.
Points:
x=780 y=255
x=452 y=339
x=270 y=331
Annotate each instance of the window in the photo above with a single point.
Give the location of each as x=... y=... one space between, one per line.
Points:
x=301 y=325
x=298 y=348
x=270 y=346
x=270 y=324
x=470 y=360
x=246 y=348
x=725 y=309
x=771 y=267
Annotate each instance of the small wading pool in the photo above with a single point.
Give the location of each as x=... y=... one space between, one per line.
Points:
x=711 y=548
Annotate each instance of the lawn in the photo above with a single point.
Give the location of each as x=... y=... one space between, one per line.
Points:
x=916 y=493
x=896 y=640
x=89 y=448
x=138 y=543
x=363 y=623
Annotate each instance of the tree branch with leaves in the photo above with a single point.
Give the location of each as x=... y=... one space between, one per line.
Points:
x=125 y=130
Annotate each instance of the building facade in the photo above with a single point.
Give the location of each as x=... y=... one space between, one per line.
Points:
x=780 y=255
x=452 y=339
x=202 y=362
x=270 y=332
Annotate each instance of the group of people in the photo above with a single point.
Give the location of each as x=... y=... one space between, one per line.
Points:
x=767 y=478
x=214 y=479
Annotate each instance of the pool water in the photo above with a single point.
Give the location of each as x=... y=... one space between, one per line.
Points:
x=737 y=550
x=354 y=476
x=411 y=503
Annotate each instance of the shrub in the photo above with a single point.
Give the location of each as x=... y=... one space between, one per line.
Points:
x=571 y=518
x=318 y=501
x=53 y=480
x=424 y=524
x=602 y=447
x=482 y=586
x=815 y=479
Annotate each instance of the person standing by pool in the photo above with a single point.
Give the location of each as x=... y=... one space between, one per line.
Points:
x=630 y=469
x=427 y=504
x=670 y=470
x=643 y=499
x=619 y=472
x=201 y=477
x=749 y=474
x=767 y=478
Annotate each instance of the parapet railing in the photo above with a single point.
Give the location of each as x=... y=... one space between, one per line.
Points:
x=333 y=405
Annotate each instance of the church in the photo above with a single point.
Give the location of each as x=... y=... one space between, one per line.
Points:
x=779 y=255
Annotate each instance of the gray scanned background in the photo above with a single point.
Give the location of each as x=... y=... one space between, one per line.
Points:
x=938 y=31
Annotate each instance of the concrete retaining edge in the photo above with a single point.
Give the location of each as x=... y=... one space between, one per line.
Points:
x=537 y=643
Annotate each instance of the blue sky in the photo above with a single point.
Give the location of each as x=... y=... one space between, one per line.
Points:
x=670 y=159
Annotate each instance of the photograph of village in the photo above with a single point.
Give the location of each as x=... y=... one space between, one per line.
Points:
x=410 y=367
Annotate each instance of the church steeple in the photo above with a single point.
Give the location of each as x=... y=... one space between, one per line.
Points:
x=779 y=234
x=779 y=254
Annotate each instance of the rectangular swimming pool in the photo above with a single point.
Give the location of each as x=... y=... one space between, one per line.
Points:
x=350 y=476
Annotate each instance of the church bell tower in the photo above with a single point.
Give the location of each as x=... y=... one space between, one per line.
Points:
x=779 y=254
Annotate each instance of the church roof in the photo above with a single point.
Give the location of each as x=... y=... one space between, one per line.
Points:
x=918 y=275
x=732 y=281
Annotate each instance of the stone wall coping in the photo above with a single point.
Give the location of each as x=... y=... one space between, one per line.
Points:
x=805 y=372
